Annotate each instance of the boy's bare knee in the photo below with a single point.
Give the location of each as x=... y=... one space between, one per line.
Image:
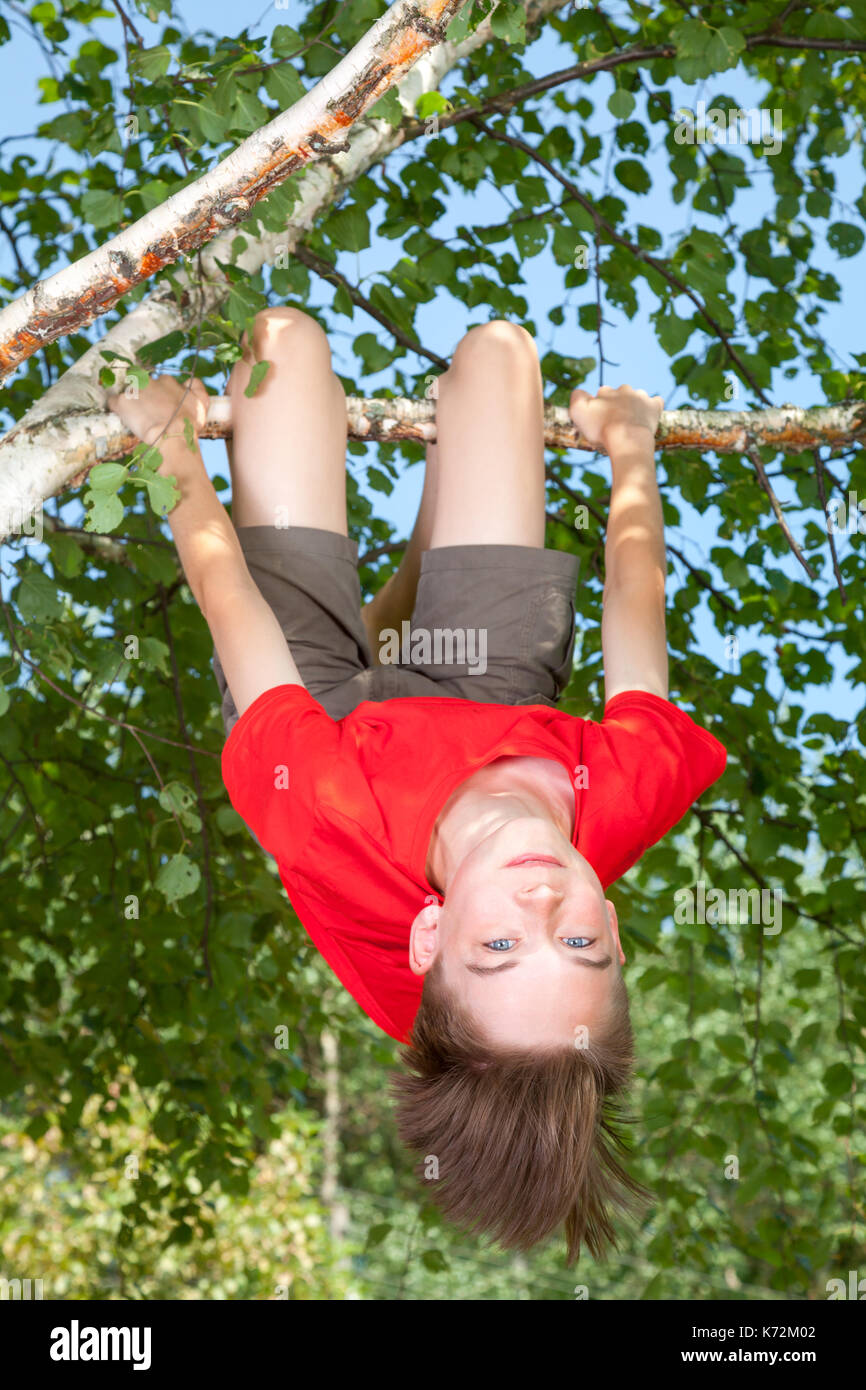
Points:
x=284 y=329
x=498 y=341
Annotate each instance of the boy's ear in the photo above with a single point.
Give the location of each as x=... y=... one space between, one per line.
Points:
x=614 y=926
x=424 y=938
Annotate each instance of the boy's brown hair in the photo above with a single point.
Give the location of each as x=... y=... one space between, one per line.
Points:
x=525 y=1141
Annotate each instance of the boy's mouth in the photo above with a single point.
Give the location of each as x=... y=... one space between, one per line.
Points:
x=532 y=859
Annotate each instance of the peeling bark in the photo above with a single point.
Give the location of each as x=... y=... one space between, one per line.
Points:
x=314 y=127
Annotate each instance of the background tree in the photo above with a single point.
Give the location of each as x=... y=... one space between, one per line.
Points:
x=174 y=1065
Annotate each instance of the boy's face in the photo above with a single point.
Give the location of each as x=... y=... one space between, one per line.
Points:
x=531 y=949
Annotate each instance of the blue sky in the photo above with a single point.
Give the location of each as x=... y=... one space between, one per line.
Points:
x=629 y=344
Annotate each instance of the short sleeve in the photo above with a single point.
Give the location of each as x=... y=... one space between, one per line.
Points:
x=648 y=762
x=268 y=767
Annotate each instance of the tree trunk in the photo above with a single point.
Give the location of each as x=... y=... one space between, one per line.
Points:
x=339 y=1216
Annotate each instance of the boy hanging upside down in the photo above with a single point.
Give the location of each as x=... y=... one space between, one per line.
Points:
x=443 y=831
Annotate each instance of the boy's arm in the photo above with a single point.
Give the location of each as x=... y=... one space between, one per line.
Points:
x=252 y=650
x=633 y=638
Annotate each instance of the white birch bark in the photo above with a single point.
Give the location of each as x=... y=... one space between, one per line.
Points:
x=316 y=125
x=786 y=427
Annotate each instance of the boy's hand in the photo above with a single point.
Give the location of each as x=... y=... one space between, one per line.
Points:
x=614 y=412
x=164 y=401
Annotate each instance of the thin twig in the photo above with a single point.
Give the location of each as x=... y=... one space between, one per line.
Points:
x=752 y=453
x=329 y=272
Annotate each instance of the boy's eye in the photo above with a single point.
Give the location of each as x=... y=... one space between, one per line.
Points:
x=505 y=943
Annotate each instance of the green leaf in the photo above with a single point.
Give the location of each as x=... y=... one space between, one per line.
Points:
x=459 y=26
x=620 y=104
x=161 y=349
x=508 y=21
x=838 y=1079
x=633 y=175
x=66 y=554
x=178 y=878
x=431 y=104
x=179 y=800
x=102 y=207
x=387 y=108
x=154 y=562
x=673 y=332
x=285 y=41
x=228 y=820
x=4 y=700
x=736 y=573
x=379 y=481
x=696 y=58
x=434 y=1260
x=162 y=493
x=725 y=47
x=104 y=511
x=37 y=598
x=107 y=477
x=257 y=376
x=284 y=85
x=154 y=653
x=213 y=124
x=731 y=1046
x=530 y=236
x=377 y=1234
x=349 y=228
x=845 y=238
x=250 y=113
x=691 y=37
x=150 y=63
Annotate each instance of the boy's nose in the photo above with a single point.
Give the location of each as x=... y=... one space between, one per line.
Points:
x=542 y=897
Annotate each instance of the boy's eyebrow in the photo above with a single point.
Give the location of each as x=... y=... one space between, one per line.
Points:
x=513 y=964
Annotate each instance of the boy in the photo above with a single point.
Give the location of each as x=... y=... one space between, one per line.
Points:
x=436 y=825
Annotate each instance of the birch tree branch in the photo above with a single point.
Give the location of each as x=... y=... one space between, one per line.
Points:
x=785 y=427
x=315 y=126
x=97 y=436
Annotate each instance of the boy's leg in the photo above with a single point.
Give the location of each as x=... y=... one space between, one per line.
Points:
x=288 y=466
x=484 y=567
x=490 y=424
x=490 y=439
x=288 y=455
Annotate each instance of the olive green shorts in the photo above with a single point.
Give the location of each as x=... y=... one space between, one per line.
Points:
x=492 y=623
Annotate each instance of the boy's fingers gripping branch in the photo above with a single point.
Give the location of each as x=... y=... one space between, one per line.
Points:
x=164 y=402
x=614 y=409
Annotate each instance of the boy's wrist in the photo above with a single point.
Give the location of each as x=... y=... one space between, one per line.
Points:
x=177 y=456
x=628 y=436
x=161 y=434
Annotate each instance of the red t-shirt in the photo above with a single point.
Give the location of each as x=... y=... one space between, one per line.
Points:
x=347 y=806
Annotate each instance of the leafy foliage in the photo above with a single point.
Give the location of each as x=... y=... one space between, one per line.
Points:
x=152 y=964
